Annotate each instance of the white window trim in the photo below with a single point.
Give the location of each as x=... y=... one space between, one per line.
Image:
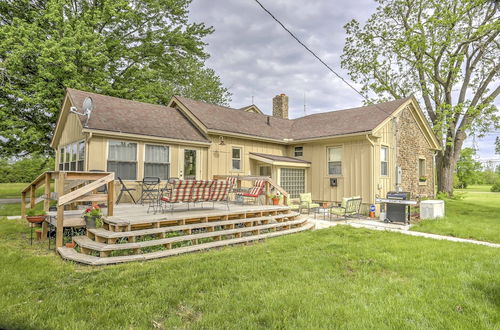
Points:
x=341 y=161
x=383 y=146
x=144 y=157
x=295 y=151
x=240 y=170
x=77 y=142
x=136 y=157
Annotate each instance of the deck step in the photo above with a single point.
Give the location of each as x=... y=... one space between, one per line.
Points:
x=71 y=254
x=103 y=233
x=87 y=243
x=193 y=214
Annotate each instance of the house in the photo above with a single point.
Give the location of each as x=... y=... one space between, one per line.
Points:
x=364 y=151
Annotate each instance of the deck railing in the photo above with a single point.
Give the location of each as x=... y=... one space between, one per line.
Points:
x=71 y=187
x=270 y=184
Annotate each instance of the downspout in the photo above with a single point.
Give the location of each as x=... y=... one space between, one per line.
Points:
x=372 y=165
x=87 y=149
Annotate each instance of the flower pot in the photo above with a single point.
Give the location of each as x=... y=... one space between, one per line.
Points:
x=325 y=205
x=35 y=219
x=90 y=222
x=70 y=245
x=276 y=201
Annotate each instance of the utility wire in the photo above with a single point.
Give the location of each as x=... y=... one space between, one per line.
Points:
x=313 y=53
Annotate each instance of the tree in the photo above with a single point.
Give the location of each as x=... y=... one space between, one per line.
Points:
x=467 y=168
x=497 y=145
x=144 y=50
x=446 y=52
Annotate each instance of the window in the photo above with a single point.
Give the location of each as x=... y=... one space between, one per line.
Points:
x=335 y=161
x=156 y=161
x=265 y=171
x=384 y=160
x=72 y=157
x=298 y=152
x=61 y=159
x=67 y=157
x=293 y=180
x=236 y=159
x=81 y=156
x=421 y=168
x=122 y=159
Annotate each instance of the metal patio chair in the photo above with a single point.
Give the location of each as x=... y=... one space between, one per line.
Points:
x=124 y=189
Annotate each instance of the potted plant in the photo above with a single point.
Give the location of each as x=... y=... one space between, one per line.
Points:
x=35 y=216
x=325 y=205
x=422 y=179
x=93 y=217
x=275 y=198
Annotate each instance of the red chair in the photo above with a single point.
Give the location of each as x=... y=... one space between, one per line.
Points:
x=255 y=191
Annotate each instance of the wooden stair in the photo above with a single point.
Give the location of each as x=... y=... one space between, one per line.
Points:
x=97 y=248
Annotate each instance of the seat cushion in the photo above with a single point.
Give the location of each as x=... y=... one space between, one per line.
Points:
x=305 y=198
x=337 y=211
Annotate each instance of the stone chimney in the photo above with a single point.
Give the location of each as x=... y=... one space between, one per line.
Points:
x=280 y=106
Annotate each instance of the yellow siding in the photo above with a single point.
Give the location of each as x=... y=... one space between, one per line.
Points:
x=356 y=169
x=220 y=156
x=384 y=184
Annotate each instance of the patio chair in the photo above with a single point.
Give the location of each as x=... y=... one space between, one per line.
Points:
x=293 y=203
x=350 y=207
x=124 y=189
x=307 y=203
x=254 y=192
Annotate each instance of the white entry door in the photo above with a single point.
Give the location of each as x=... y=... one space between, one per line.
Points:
x=189 y=164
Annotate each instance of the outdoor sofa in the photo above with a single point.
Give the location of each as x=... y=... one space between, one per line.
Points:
x=196 y=191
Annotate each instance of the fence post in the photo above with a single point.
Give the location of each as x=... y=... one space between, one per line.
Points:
x=60 y=210
x=111 y=197
x=23 y=205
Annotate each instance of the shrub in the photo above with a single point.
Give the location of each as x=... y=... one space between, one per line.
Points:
x=496 y=186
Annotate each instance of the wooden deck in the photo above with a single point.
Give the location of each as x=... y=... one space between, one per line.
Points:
x=132 y=232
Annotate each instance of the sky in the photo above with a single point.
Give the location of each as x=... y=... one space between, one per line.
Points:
x=256 y=59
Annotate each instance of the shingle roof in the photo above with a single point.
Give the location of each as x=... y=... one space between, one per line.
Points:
x=340 y=122
x=221 y=118
x=280 y=158
x=126 y=116
x=121 y=115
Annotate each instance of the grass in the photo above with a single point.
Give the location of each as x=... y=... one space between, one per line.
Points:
x=13 y=190
x=476 y=216
x=339 y=277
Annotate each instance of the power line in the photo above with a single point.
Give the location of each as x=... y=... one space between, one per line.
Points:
x=314 y=54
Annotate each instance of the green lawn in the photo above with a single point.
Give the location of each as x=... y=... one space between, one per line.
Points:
x=333 y=278
x=11 y=190
x=476 y=216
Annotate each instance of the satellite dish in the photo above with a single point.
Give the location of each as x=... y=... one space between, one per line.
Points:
x=87 y=108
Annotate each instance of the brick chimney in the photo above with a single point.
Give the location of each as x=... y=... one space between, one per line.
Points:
x=280 y=106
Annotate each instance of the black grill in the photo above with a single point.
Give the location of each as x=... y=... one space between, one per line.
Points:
x=397 y=212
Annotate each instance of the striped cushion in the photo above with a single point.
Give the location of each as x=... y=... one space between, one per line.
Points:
x=201 y=191
x=219 y=191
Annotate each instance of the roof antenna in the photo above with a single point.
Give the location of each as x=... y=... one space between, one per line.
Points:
x=87 y=110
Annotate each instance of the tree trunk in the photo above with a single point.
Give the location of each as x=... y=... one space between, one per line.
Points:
x=445 y=166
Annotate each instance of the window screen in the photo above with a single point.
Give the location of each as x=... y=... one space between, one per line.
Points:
x=384 y=160
x=156 y=161
x=293 y=181
x=122 y=159
x=335 y=161
x=299 y=151
x=236 y=159
x=421 y=167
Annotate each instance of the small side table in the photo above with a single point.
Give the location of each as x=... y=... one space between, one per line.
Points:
x=322 y=211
